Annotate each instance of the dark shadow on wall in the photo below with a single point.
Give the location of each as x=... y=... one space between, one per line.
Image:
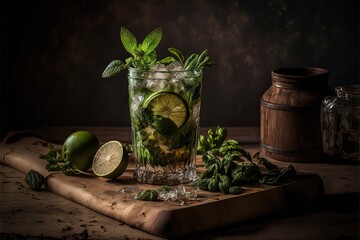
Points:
x=53 y=53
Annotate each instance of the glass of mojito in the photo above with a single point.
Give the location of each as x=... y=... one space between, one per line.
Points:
x=164 y=100
x=165 y=113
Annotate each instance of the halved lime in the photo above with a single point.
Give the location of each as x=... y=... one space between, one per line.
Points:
x=170 y=105
x=111 y=160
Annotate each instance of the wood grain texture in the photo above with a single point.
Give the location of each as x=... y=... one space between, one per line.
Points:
x=161 y=218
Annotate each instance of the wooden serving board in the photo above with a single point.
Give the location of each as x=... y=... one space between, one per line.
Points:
x=162 y=218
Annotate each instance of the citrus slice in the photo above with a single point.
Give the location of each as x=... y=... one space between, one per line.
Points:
x=170 y=105
x=110 y=161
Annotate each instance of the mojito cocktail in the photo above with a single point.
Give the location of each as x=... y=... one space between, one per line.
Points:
x=165 y=112
x=164 y=100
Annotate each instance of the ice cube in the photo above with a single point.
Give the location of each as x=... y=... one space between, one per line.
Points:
x=158 y=71
x=191 y=194
x=173 y=195
x=130 y=189
x=180 y=190
x=164 y=195
x=154 y=84
x=175 y=66
x=177 y=85
x=135 y=103
x=158 y=67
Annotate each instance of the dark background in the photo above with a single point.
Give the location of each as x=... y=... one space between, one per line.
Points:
x=53 y=54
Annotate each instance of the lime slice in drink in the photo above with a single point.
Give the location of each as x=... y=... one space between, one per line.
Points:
x=110 y=161
x=170 y=105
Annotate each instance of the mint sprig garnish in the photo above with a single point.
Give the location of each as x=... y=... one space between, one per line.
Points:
x=143 y=55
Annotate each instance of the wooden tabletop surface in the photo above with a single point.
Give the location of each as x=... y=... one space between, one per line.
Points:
x=36 y=215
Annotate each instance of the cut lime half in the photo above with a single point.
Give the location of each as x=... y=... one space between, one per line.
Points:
x=110 y=161
x=170 y=105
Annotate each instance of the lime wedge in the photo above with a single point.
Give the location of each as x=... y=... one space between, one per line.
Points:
x=170 y=105
x=110 y=161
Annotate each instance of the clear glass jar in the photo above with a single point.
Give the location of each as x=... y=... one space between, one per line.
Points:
x=340 y=123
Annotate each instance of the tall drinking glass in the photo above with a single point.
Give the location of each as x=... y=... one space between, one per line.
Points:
x=165 y=113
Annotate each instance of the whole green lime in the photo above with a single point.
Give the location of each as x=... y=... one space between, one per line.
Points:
x=79 y=149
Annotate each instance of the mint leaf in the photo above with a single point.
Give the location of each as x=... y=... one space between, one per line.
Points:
x=152 y=40
x=147 y=195
x=128 y=40
x=178 y=54
x=35 y=180
x=113 y=68
x=167 y=60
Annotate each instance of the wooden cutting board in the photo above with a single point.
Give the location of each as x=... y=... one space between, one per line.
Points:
x=162 y=218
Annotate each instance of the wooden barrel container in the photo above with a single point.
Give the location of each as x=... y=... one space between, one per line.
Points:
x=290 y=114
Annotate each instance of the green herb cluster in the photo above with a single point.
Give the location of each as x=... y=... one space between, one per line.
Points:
x=228 y=166
x=56 y=162
x=143 y=55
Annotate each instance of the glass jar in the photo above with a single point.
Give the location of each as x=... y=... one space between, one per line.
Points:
x=340 y=123
x=165 y=116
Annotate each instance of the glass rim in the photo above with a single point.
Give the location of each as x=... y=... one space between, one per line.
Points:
x=163 y=71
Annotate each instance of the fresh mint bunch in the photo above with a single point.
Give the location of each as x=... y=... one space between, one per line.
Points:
x=228 y=166
x=143 y=55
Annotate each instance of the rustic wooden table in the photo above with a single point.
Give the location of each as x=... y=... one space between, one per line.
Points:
x=44 y=215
